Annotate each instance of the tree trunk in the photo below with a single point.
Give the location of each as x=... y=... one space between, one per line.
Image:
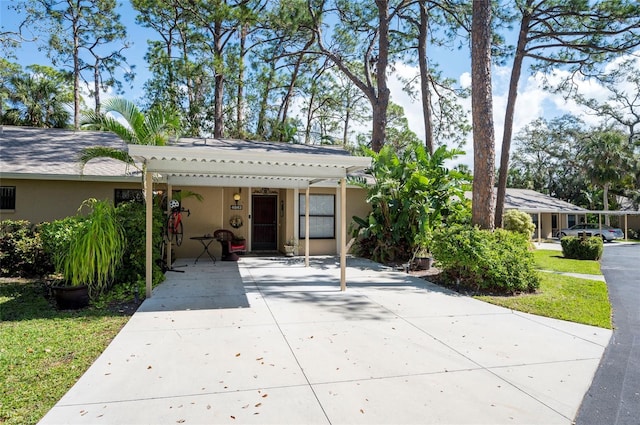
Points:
x=605 y=203
x=96 y=86
x=482 y=111
x=218 y=119
x=307 y=128
x=345 y=131
x=76 y=75
x=240 y=92
x=264 y=102
x=292 y=83
x=516 y=70
x=381 y=103
x=423 y=61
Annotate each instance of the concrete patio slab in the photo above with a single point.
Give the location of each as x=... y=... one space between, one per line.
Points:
x=266 y=340
x=463 y=397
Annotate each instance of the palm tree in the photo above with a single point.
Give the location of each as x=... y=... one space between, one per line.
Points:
x=607 y=161
x=156 y=128
x=39 y=101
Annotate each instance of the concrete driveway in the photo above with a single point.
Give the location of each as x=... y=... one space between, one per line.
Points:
x=267 y=340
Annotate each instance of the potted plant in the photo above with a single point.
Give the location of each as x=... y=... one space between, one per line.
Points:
x=90 y=255
x=290 y=247
x=422 y=259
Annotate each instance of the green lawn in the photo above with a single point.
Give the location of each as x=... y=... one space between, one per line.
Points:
x=43 y=351
x=563 y=297
x=553 y=260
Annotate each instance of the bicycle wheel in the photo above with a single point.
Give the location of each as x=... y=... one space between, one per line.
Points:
x=168 y=227
x=178 y=233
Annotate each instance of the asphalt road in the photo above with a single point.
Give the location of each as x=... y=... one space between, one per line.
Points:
x=614 y=396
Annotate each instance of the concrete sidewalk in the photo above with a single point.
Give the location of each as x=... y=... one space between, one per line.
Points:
x=267 y=340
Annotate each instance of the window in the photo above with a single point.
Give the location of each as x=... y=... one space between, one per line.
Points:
x=126 y=195
x=322 y=213
x=7 y=197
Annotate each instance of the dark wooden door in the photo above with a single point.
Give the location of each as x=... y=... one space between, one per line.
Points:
x=264 y=223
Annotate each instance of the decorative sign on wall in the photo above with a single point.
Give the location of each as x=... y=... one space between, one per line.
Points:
x=236 y=207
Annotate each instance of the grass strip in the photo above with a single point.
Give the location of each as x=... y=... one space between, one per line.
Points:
x=554 y=261
x=563 y=297
x=44 y=351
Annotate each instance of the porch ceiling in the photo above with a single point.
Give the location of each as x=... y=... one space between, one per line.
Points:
x=208 y=166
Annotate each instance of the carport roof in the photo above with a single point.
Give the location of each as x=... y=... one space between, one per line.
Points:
x=218 y=162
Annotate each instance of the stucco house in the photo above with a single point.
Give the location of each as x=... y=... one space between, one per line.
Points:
x=550 y=214
x=41 y=180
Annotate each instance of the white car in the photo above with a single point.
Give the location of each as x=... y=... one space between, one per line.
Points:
x=608 y=233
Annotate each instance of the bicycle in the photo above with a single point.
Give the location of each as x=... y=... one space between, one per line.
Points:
x=173 y=229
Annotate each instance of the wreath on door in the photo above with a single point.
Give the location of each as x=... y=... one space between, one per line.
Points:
x=235 y=221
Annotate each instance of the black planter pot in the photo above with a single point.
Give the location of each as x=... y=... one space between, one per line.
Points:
x=71 y=297
x=422 y=263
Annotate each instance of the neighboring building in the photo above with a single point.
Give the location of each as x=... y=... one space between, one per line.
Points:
x=550 y=214
x=41 y=180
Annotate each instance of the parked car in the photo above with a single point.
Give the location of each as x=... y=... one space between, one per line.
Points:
x=608 y=233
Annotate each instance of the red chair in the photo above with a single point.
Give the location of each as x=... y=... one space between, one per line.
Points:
x=231 y=246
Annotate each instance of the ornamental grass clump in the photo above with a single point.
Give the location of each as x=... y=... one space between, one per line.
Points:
x=95 y=249
x=498 y=262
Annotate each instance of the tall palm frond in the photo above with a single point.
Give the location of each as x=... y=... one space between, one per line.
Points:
x=94 y=152
x=155 y=128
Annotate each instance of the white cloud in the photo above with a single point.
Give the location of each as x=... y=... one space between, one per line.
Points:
x=465 y=80
x=533 y=101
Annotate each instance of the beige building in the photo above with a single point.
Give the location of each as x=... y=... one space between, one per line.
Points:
x=255 y=189
x=550 y=215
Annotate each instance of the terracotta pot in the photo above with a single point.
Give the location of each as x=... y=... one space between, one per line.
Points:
x=71 y=297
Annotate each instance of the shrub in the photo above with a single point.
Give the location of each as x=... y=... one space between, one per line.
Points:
x=582 y=249
x=56 y=236
x=21 y=250
x=413 y=193
x=498 y=262
x=518 y=221
x=132 y=217
x=56 y=239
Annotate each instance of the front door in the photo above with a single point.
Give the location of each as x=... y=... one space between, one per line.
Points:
x=264 y=223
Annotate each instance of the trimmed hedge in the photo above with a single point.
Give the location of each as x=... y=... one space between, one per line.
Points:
x=582 y=249
x=481 y=260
